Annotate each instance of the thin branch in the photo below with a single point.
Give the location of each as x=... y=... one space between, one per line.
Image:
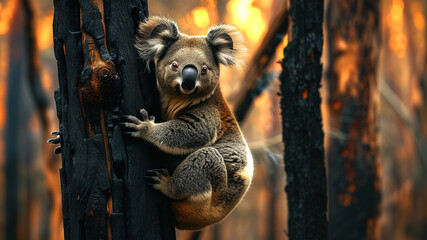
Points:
x=410 y=121
x=262 y=58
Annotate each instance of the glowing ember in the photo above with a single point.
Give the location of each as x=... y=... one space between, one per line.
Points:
x=417 y=15
x=201 y=17
x=2 y=114
x=46 y=81
x=4 y=65
x=44 y=32
x=247 y=18
x=279 y=49
x=397 y=41
x=5 y=16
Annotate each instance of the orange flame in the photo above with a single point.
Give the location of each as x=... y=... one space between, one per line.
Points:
x=417 y=15
x=279 y=49
x=248 y=18
x=397 y=41
x=46 y=80
x=4 y=65
x=45 y=32
x=5 y=16
x=201 y=17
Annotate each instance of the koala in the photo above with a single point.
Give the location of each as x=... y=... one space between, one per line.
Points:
x=198 y=124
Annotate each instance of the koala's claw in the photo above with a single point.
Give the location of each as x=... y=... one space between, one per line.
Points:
x=149 y=180
x=144 y=114
x=56 y=140
x=132 y=134
x=132 y=119
x=159 y=172
x=135 y=127
x=157 y=178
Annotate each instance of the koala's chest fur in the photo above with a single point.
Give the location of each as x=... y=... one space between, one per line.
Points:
x=228 y=140
x=172 y=105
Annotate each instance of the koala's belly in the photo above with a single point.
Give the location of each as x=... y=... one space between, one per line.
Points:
x=240 y=165
x=201 y=210
x=195 y=214
x=248 y=170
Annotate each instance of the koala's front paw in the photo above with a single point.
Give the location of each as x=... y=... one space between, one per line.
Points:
x=158 y=179
x=56 y=140
x=136 y=127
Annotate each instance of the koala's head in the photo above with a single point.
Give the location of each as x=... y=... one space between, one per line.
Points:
x=188 y=65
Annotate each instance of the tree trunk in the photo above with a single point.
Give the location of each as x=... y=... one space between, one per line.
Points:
x=15 y=125
x=104 y=194
x=353 y=32
x=25 y=98
x=302 y=123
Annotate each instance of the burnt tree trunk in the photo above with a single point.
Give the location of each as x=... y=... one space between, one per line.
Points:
x=302 y=123
x=104 y=194
x=353 y=32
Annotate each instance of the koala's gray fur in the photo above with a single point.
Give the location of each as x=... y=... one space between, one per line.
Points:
x=218 y=167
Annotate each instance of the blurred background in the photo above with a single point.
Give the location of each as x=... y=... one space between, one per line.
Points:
x=29 y=169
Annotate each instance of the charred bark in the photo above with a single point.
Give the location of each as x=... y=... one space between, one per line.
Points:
x=353 y=31
x=104 y=194
x=302 y=123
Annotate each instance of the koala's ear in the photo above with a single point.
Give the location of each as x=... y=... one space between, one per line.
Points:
x=227 y=43
x=155 y=36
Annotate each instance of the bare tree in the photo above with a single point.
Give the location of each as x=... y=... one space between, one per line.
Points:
x=302 y=123
x=353 y=43
x=14 y=124
x=102 y=177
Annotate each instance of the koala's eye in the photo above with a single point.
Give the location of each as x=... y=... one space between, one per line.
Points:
x=174 y=65
x=204 y=69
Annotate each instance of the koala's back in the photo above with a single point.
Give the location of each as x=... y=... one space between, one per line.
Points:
x=233 y=148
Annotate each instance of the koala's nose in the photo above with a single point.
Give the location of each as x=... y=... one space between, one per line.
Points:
x=189 y=77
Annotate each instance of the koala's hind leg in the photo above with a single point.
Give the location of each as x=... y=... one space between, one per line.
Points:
x=198 y=176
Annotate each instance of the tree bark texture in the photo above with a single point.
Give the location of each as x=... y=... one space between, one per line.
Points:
x=302 y=123
x=104 y=194
x=353 y=32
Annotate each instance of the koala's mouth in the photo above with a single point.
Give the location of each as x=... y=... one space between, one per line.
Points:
x=187 y=91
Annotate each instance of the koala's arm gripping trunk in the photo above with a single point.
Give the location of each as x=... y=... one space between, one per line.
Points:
x=185 y=134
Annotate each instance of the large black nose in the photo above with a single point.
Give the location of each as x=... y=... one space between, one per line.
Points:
x=189 y=77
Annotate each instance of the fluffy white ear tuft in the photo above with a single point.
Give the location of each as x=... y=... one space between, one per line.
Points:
x=154 y=36
x=228 y=44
